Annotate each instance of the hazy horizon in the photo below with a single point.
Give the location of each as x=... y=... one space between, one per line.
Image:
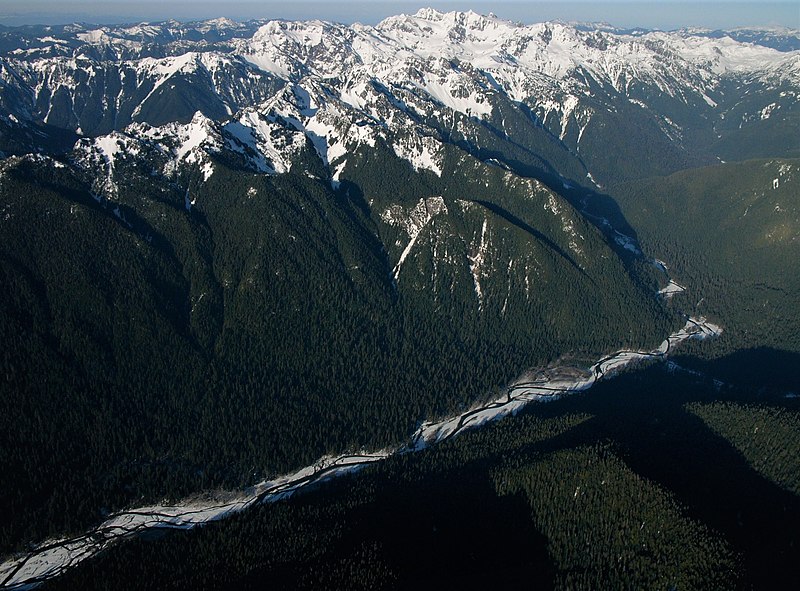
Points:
x=631 y=13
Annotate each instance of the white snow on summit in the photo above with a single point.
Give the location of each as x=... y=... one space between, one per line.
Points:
x=274 y=86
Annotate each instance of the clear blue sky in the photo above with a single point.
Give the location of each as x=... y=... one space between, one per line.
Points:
x=626 y=13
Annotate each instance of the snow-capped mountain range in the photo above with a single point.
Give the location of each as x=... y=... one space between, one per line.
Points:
x=414 y=82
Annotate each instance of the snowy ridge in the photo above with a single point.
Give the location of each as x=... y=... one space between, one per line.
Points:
x=515 y=53
x=101 y=154
x=432 y=64
x=124 y=89
x=271 y=145
x=267 y=143
x=167 y=148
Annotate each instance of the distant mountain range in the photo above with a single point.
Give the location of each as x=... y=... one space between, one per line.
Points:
x=564 y=92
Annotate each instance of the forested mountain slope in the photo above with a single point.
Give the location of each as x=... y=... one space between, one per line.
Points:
x=171 y=331
x=731 y=233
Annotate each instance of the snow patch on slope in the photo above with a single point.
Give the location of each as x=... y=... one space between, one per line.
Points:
x=272 y=145
x=412 y=221
x=477 y=260
x=423 y=152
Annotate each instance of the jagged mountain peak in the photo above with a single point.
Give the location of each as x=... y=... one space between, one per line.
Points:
x=429 y=14
x=468 y=18
x=220 y=23
x=163 y=149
